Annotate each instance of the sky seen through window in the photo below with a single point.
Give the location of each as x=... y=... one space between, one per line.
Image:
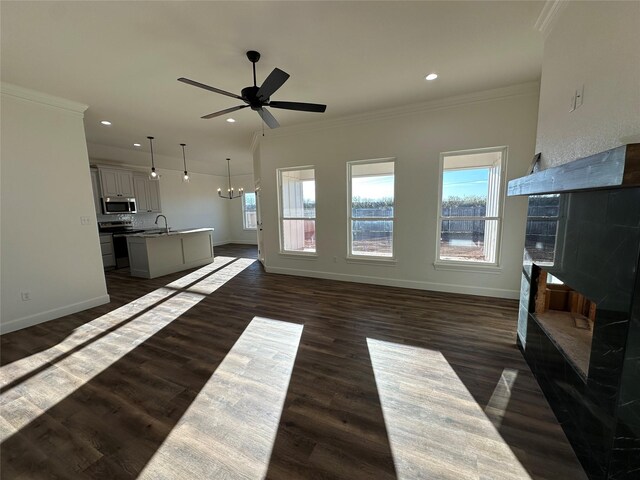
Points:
x=468 y=182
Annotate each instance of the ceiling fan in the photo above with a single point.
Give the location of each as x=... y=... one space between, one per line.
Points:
x=259 y=97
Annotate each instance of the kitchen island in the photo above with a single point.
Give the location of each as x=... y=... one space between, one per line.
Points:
x=156 y=254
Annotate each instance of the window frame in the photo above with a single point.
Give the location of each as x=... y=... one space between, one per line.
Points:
x=282 y=218
x=244 y=214
x=374 y=259
x=469 y=265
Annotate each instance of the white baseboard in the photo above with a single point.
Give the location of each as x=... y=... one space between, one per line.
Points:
x=226 y=242
x=396 y=282
x=35 y=319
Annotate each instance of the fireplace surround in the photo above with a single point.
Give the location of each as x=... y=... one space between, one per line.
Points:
x=583 y=231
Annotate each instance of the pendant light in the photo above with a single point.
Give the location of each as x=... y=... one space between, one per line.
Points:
x=153 y=175
x=185 y=177
x=230 y=193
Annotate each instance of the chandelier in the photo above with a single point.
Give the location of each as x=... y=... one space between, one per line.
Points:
x=230 y=192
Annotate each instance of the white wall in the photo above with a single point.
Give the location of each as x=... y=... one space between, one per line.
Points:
x=45 y=190
x=194 y=204
x=595 y=44
x=238 y=233
x=415 y=138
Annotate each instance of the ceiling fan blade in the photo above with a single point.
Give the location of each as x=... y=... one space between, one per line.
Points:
x=272 y=83
x=207 y=87
x=303 y=107
x=222 y=112
x=269 y=119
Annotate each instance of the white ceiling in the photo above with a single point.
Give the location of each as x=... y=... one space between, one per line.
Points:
x=123 y=58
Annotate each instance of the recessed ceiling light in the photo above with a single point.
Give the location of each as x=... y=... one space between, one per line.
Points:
x=136 y=144
x=105 y=122
x=431 y=76
x=231 y=120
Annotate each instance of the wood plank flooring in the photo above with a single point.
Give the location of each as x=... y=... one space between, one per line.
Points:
x=231 y=372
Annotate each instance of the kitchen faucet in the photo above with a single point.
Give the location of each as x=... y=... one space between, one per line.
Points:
x=166 y=227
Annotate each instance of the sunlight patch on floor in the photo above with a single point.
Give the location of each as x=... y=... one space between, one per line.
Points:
x=85 y=332
x=229 y=429
x=49 y=386
x=435 y=427
x=499 y=401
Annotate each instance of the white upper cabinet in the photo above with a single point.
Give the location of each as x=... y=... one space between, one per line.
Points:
x=153 y=187
x=147 y=193
x=125 y=183
x=116 y=182
x=140 y=189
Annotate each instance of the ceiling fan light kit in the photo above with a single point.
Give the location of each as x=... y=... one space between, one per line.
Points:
x=257 y=98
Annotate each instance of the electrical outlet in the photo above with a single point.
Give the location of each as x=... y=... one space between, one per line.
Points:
x=335 y=259
x=26 y=296
x=85 y=220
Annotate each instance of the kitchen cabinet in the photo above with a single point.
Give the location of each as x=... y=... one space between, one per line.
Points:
x=95 y=186
x=147 y=193
x=106 y=246
x=155 y=255
x=115 y=182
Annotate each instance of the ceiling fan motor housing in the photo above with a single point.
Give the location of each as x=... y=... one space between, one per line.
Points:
x=250 y=95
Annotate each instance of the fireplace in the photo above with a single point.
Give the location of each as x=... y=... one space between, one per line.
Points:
x=566 y=316
x=579 y=318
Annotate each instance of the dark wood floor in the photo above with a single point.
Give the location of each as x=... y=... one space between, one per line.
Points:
x=235 y=373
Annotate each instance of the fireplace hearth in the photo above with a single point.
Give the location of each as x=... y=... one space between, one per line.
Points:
x=579 y=320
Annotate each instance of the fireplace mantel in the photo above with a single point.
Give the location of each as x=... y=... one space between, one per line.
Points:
x=615 y=168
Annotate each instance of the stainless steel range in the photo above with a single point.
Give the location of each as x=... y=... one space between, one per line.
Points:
x=119 y=230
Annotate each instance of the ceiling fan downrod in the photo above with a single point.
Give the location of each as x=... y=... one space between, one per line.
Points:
x=253 y=57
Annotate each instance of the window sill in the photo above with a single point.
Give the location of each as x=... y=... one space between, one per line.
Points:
x=299 y=255
x=467 y=267
x=365 y=260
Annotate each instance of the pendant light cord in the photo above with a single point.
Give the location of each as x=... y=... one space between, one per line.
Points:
x=184 y=159
x=153 y=165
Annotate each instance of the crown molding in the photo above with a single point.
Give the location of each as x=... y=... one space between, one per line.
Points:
x=42 y=98
x=524 y=89
x=549 y=13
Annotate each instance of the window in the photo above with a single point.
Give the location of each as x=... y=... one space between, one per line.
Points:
x=249 y=219
x=470 y=213
x=371 y=208
x=297 y=198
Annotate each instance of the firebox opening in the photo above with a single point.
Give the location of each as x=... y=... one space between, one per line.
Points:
x=568 y=318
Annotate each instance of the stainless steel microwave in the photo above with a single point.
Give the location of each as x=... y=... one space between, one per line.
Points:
x=115 y=205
